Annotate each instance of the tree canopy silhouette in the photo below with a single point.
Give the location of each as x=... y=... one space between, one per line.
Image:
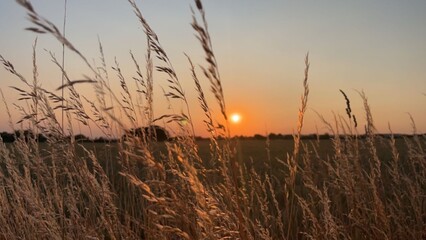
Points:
x=153 y=133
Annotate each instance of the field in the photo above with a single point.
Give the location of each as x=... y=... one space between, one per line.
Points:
x=256 y=153
x=82 y=190
x=351 y=186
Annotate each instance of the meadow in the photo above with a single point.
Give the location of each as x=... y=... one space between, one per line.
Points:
x=352 y=186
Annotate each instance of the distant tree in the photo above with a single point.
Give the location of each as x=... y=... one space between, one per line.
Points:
x=81 y=138
x=258 y=136
x=7 y=137
x=241 y=137
x=325 y=136
x=101 y=140
x=153 y=133
x=272 y=136
x=22 y=134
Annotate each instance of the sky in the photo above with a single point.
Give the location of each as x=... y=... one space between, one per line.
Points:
x=378 y=47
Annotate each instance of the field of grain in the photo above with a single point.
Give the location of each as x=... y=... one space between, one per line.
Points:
x=352 y=186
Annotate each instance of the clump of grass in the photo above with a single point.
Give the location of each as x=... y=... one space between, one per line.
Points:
x=137 y=188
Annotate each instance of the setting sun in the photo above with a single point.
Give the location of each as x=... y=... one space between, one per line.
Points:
x=235 y=118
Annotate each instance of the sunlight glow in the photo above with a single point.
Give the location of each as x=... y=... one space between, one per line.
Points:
x=235 y=118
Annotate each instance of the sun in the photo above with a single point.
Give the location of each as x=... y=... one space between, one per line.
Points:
x=235 y=118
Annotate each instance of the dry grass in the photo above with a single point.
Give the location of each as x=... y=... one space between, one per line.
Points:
x=63 y=191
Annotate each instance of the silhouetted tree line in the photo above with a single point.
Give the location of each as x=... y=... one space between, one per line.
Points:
x=159 y=134
x=273 y=136
x=25 y=135
x=153 y=133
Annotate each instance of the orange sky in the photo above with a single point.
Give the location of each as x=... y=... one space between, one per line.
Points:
x=378 y=47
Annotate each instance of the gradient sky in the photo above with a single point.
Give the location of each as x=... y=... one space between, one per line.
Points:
x=375 y=46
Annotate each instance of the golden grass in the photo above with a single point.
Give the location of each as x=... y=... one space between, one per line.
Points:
x=62 y=190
